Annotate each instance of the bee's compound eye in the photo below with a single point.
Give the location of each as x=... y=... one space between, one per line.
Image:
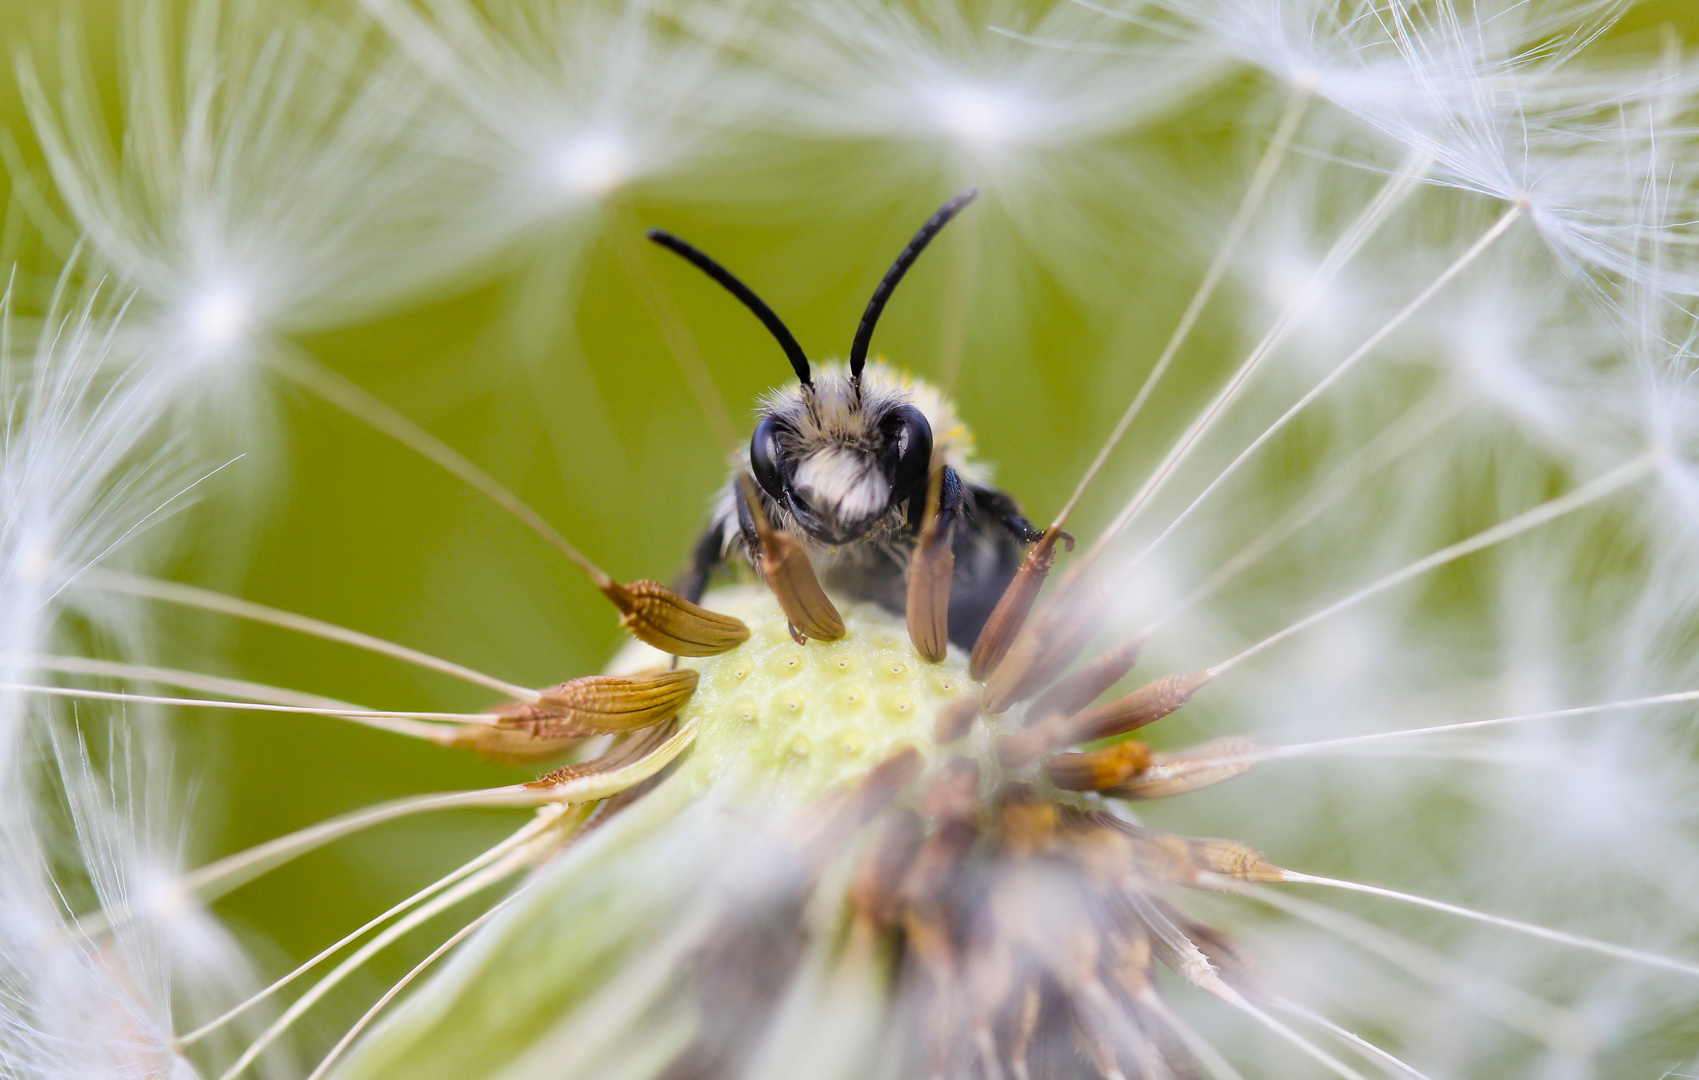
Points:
x=908 y=447
x=764 y=455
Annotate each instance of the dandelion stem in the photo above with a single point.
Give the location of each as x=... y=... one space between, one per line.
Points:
x=1386 y=447
x=172 y=592
x=1562 y=1029
x=191 y=680
x=1397 y=188
x=1486 y=240
x=361 y=405
x=217 y=878
x=366 y=1018
x=1351 y=1037
x=468 y=888
x=1327 y=745
x=1205 y=1052
x=1587 y=493
x=1576 y=941
x=220 y=877
x=1238 y=1001
x=370 y=716
x=1248 y=205
x=518 y=839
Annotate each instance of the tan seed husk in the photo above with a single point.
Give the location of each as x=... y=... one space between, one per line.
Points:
x=1028 y=822
x=1181 y=859
x=788 y=572
x=873 y=893
x=1130 y=959
x=1018 y=748
x=953 y=792
x=1026 y=1026
x=565 y=773
x=930 y=570
x=1050 y=641
x=955 y=720
x=602 y=704
x=658 y=616
x=1013 y=606
x=1230 y=961
x=1086 y=685
x=1149 y=703
x=623 y=753
x=1101 y=851
x=1097 y=770
x=508 y=746
x=1189 y=770
x=1229 y=858
x=790 y=575
x=883 y=783
x=1158 y=856
x=928 y=917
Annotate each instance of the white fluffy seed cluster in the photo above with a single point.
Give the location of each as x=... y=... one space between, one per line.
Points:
x=809 y=718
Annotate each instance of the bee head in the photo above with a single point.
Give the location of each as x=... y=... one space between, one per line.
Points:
x=843 y=454
x=837 y=454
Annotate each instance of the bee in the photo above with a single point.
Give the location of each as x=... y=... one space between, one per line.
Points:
x=842 y=460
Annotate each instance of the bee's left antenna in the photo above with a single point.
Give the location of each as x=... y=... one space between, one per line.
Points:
x=876 y=306
x=694 y=256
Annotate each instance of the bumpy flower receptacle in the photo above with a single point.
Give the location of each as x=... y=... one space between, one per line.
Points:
x=815 y=717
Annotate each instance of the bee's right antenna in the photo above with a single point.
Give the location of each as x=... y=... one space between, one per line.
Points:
x=876 y=306
x=694 y=256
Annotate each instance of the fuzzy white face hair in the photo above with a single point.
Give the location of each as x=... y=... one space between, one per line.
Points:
x=839 y=441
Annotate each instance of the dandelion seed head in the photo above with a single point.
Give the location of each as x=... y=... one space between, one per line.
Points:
x=33 y=561
x=1517 y=349
x=84 y=470
x=1489 y=351
x=594 y=163
x=546 y=111
x=159 y=894
x=217 y=319
x=712 y=869
x=1667 y=401
x=940 y=80
x=982 y=117
x=1289 y=279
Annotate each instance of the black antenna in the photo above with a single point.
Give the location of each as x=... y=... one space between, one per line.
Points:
x=876 y=306
x=787 y=340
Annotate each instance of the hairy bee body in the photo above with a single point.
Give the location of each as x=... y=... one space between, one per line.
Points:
x=858 y=522
x=844 y=462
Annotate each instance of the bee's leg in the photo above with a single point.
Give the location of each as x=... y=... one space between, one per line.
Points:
x=931 y=568
x=1004 y=511
x=705 y=558
x=951 y=496
x=746 y=524
x=1000 y=627
x=784 y=565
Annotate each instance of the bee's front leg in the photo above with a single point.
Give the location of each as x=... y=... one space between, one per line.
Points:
x=783 y=563
x=931 y=568
x=1007 y=513
x=746 y=524
x=705 y=558
x=951 y=498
